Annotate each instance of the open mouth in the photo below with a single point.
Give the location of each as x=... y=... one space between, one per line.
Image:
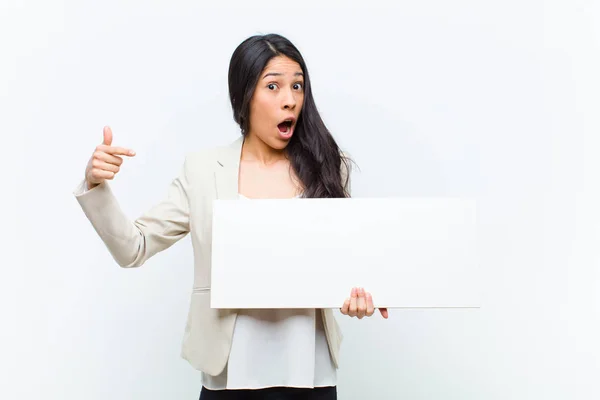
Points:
x=285 y=127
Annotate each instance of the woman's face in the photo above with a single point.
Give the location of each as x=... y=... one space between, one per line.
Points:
x=277 y=102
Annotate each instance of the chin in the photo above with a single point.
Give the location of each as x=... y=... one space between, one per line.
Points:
x=279 y=143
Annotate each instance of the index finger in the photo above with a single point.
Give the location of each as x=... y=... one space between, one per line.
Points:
x=116 y=151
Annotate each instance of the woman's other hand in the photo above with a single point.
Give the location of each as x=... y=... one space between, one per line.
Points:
x=106 y=161
x=360 y=304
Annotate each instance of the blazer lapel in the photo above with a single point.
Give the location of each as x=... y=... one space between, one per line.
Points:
x=227 y=171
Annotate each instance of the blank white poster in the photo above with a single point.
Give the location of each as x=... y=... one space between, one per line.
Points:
x=309 y=253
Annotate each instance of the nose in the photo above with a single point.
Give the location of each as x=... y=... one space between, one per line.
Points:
x=289 y=101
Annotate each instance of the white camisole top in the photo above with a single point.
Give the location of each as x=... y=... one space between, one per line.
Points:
x=276 y=347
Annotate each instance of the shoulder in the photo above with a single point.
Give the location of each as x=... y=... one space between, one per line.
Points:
x=202 y=157
x=346 y=163
x=346 y=171
x=210 y=158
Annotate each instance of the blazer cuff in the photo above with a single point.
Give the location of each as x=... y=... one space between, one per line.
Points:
x=81 y=188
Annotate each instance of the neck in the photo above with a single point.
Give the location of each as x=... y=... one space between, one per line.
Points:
x=254 y=149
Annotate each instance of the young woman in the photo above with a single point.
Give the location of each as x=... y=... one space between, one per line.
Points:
x=284 y=151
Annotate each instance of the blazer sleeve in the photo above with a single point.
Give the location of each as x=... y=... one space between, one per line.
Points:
x=346 y=172
x=132 y=243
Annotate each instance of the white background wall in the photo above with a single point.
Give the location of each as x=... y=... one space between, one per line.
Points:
x=494 y=99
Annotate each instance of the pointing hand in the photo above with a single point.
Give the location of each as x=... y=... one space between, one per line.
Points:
x=106 y=161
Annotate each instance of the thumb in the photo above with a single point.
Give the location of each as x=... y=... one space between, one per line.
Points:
x=108 y=136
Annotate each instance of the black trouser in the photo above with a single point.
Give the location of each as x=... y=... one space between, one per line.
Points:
x=276 y=393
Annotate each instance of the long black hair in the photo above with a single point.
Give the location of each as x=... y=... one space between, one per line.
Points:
x=313 y=153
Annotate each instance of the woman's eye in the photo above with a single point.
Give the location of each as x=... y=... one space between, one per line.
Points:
x=272 y=86
x=298 y=86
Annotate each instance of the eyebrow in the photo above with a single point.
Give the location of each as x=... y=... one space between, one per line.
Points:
x=280 y=74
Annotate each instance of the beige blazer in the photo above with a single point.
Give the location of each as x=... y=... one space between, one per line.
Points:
x=205 y=176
